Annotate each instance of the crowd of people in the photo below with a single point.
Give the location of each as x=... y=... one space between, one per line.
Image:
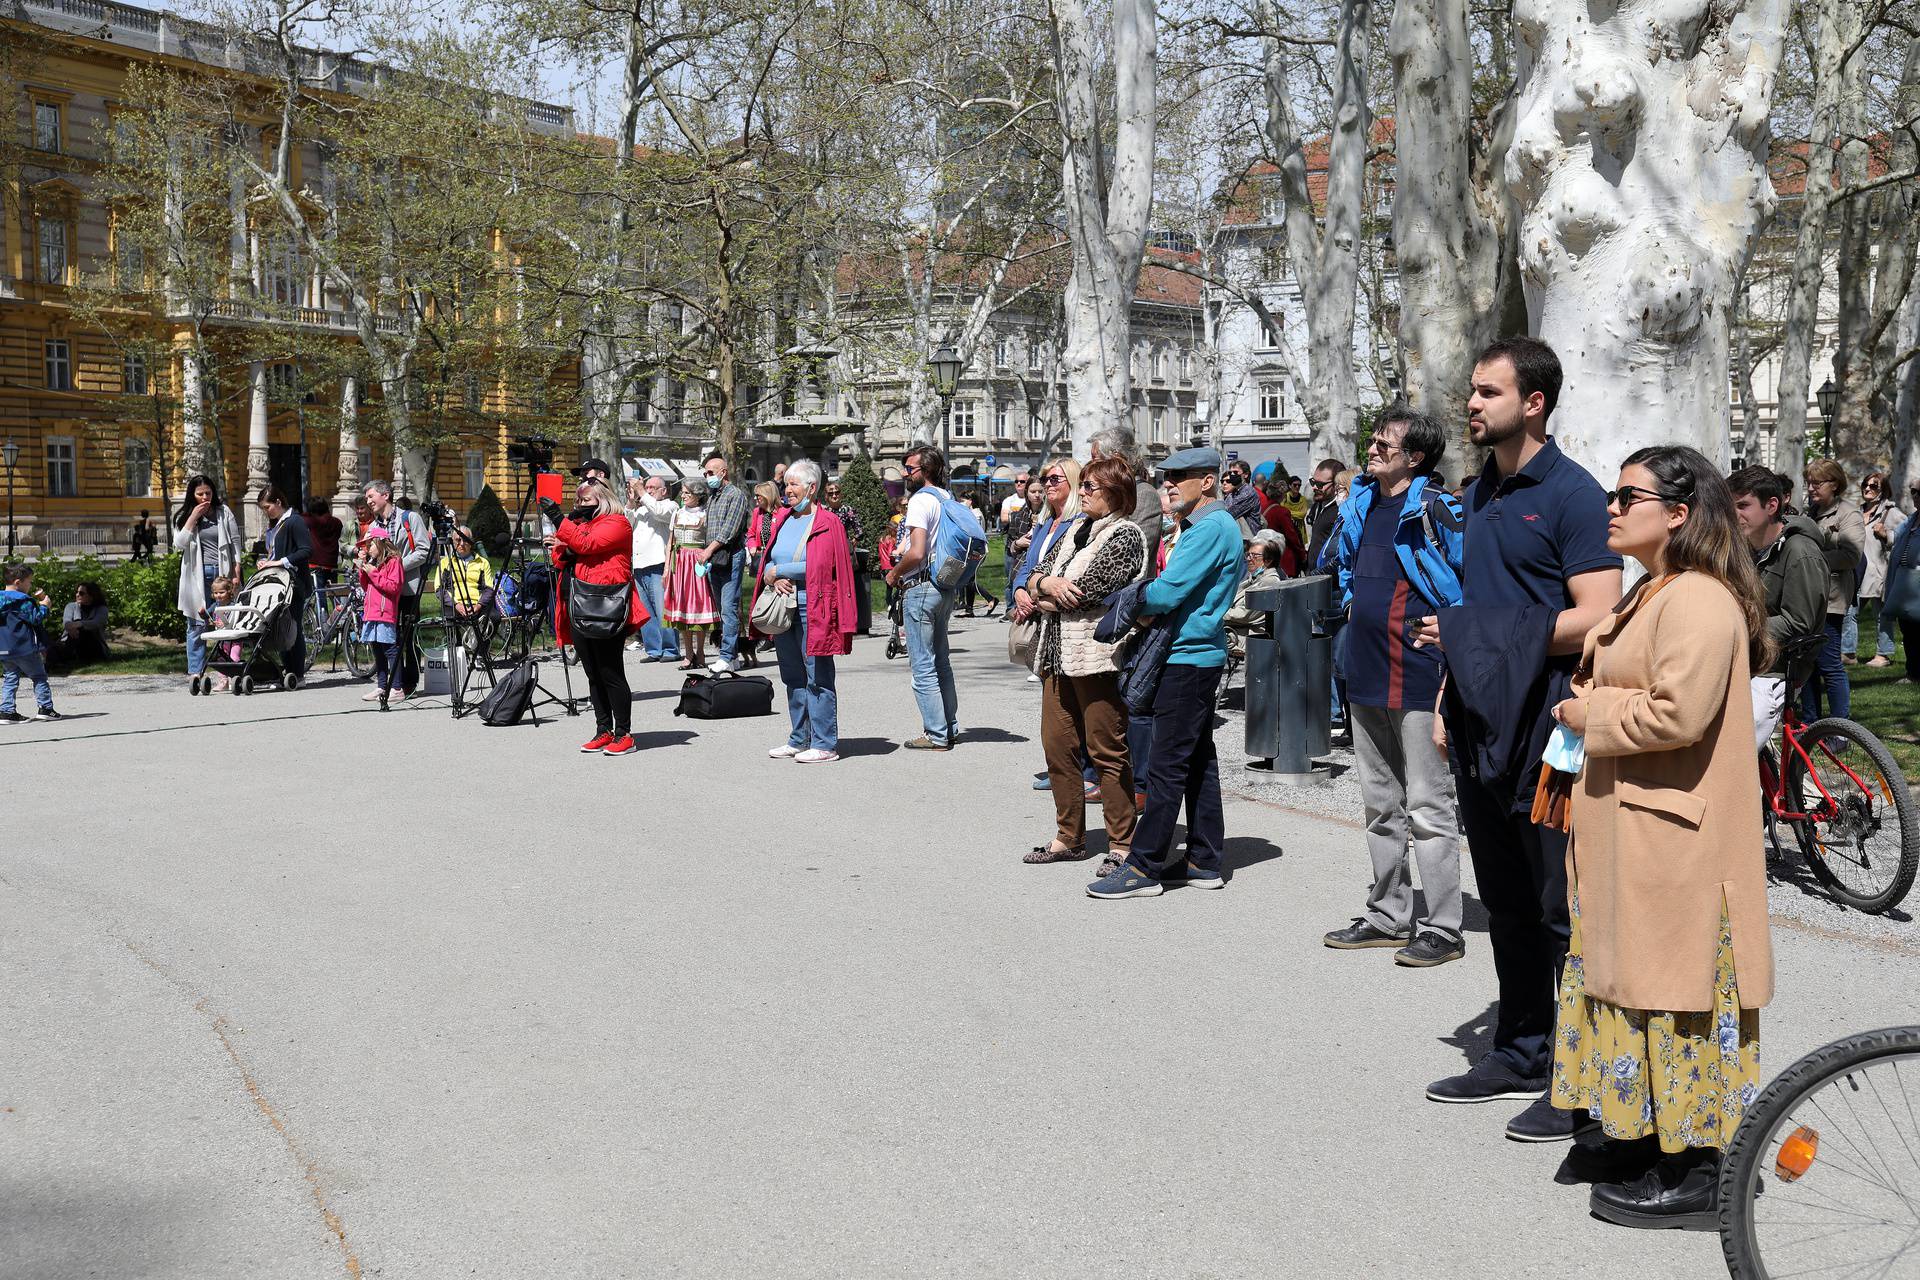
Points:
x=1593 y=744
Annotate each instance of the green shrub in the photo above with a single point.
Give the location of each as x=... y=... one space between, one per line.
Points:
x=142 y=595
x=864 y=493
x=488 y=520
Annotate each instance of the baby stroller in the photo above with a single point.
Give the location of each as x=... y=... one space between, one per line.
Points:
x=249 y=636
x=896 y=623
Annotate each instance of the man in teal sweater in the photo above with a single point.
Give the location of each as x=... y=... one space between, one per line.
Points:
x=1191 y=595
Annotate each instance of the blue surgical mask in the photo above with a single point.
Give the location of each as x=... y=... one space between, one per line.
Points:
x=713 y=484
x=801 y=506
x=1168 y=524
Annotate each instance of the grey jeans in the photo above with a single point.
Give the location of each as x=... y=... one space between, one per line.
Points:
x=1407 y=788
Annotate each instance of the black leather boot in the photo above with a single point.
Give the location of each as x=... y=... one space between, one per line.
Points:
x=1680 y=1191
x=1609 y=1160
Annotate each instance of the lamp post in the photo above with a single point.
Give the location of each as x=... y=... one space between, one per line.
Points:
x=11 y=452
x=1826 y=397
x=946 y=380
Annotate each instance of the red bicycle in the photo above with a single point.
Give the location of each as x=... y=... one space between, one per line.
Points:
x=1848 y=806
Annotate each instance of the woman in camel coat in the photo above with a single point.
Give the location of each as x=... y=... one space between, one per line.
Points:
x=1658 y=1037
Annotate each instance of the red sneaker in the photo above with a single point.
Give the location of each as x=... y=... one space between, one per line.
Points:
x=620 y=746
x=598 y=741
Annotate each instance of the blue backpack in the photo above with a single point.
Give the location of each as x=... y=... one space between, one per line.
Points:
x=959 y=543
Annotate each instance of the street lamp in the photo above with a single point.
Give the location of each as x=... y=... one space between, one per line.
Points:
x=11 y=452
x=1826 y=397
x=946 y=379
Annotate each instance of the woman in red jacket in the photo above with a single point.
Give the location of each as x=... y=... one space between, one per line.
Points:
x=597 y=541
x=807 y=560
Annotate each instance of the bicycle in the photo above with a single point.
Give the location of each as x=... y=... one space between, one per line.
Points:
x=338 y=612
x=1839 y=1133
x=1847 y=803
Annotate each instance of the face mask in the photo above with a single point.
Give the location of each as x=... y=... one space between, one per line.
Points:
x=801 y=506
x=713 y=484
x=1168 y=524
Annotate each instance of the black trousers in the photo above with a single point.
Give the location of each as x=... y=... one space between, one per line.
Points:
x=409 y=656
x=1910 y=638
x=1184 y=768
x=604 y=663
x=1521 y=871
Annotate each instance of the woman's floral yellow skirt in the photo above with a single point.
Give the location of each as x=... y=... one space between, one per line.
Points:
x=1687 y=1077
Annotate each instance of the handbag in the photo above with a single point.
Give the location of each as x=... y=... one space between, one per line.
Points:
x=1023 y=642
x=725 y=696
x=772 y=613
x=1901 y=601
x=597 y=611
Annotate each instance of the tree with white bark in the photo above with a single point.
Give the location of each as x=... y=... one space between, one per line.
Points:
x=1107 y=189
x=1638 y=166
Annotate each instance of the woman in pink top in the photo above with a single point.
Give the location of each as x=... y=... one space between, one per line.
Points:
x=380 y=578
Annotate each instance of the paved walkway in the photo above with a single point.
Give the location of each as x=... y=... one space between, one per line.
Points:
x=293 y=989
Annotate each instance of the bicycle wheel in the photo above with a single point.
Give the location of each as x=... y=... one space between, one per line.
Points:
x=359 y=654
x=1823 y=1175
x=1866 y=851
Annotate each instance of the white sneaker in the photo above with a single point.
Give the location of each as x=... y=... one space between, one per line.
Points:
x=783 y=752
x=719 y=666
x=1033 y=679
x=371 y=695
x=632 y=645
x=814 y=755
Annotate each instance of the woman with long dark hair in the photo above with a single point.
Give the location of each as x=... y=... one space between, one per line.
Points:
x=1658 y=1038
x=208 y=539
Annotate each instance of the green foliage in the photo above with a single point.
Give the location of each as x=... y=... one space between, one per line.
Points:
x=488 y=520
x=865 y=494
x=142 y=595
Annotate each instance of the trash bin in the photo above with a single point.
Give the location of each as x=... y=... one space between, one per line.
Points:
x=1290 y=679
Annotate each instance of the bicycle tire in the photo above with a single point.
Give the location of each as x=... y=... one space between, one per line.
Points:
x=1740 y=1167
x=359 y=655
x=1906 y=821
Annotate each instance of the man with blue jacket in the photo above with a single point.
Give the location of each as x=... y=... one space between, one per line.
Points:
x=1396 y=551
x=1191 y=598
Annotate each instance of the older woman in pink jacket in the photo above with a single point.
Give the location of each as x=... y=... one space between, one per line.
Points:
x=807 y=559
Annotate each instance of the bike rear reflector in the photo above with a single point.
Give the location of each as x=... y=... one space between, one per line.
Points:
x=1797 y=1154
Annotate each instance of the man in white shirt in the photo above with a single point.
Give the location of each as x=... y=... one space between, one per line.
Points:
x=651 y=511
x=1015 y=500
x=926 y=608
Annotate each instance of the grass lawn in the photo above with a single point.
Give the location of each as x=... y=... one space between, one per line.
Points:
x=1891 y=710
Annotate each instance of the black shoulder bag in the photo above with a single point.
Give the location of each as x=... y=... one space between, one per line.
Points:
x=597 y=611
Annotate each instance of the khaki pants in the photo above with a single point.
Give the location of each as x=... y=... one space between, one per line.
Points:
x=1087 y=710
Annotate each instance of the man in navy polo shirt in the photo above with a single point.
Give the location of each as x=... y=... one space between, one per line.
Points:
x=1536 y=535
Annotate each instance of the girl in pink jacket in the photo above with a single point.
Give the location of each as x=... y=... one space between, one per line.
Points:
x=380 y=578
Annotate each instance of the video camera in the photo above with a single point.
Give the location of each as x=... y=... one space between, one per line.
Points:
x=533 y=452
x=438 y=512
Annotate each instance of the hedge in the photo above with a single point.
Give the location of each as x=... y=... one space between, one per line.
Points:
x=141 y=594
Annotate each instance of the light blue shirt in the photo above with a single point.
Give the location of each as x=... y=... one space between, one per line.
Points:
x=789 y=554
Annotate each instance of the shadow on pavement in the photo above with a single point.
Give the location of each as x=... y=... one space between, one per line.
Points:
x=850 y=747
x=1473 y=915
x=1247 y=851
x=663 y=738
x=1474 y=1037
x=990 y=735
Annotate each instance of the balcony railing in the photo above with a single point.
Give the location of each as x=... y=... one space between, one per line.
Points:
x=307 y=317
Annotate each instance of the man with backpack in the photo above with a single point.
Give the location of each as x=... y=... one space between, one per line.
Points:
x=1397 y=554
x=944 y=544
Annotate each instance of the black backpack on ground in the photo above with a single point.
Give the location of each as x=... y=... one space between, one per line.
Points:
x=510 y=699
x=722 y=697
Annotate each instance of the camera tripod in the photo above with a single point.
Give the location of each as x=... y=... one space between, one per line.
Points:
x=465 y=665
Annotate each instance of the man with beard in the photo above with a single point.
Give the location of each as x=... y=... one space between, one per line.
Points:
x=1537 y=564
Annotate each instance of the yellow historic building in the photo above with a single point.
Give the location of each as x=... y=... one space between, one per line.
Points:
x=93 y=421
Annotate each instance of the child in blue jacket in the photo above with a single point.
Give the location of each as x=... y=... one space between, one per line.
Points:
x=23 y=651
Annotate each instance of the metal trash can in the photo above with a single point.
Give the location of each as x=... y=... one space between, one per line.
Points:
x=1290 y=679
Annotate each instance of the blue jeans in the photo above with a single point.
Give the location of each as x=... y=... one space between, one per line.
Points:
x=729 y=601
x=1829 y=677
x=655 y=638
x=34 y=667
x=927 y=610
x=1883 y=633
x=196 y=648
x=813 y=704
x=1850 y=630
x=1013 y=567
x=1184 y=769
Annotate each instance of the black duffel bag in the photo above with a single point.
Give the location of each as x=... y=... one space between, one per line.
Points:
x=725 y=696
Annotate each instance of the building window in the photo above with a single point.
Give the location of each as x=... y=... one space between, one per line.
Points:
x=59 y=364
x=1269 y=336
x=133 y=374
x=1000 y=353
x=962 y=418
x=1036 y=355
x=63 y=478
x=1160 y=364
x=283 y=383
x=643 y=400
x=1186 y=364
x=473 y=466
x=285 y=273
x=53 y=250
x=136 y=462
x=1272 y=402
x=1186 y=425
x=1002 y=420
x=1159 y=420
x=366 y=466
x=46 y=126
x=129 y=262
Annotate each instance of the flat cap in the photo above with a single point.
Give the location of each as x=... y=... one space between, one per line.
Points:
x=1199 y=459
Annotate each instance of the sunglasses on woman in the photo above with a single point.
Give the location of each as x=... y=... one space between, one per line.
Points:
x=1628 y=494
